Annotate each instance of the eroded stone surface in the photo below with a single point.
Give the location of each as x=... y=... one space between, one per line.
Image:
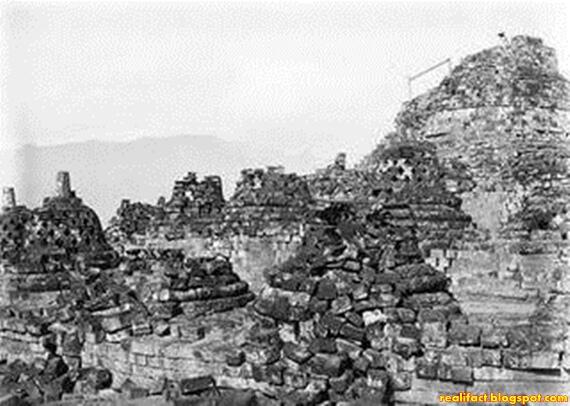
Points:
x=438 y=264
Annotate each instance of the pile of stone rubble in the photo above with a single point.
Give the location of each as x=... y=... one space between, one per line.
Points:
x=343 y=319
x=197 y=287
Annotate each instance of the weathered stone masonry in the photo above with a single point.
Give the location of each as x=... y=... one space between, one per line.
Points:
x=438 y=264
x=500 y=125
x=70 y=305
x=259 y=227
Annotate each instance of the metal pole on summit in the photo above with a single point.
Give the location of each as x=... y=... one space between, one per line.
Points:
x=420 y=74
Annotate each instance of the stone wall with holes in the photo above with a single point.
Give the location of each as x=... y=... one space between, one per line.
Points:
x=46 y=236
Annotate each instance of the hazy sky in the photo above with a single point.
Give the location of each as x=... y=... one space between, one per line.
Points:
x=277 y=71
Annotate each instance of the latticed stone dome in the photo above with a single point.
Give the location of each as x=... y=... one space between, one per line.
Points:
x=12 y=228
x=62 y=226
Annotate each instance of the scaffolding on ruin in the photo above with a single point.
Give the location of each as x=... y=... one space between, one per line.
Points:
x=420 y=74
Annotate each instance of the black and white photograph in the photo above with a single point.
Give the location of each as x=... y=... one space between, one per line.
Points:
x=284 y=203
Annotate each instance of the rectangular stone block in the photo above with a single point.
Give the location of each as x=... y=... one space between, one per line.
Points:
x=118 y=336
x=113 y=324
x=462 y=374
x=377 y=378
x=494 y=374
x=420 y=300
x=493 y=337
x=352 y=349
x=518 y=360
x=427 y=369
x=493 y=287
x=464 y=334
x=296 y=352
x=437 y=253
x=140 y=359
x=545 y=360
x=145 y=346
x=352 y=333
x=196 y=385
x=155 y=361
x=484 y=357
x=434 y=335
x=507 y=311
x=327 y=364
x=323 y=345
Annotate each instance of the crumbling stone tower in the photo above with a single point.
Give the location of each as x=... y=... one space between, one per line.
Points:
x=480 y=163
x=499 y=124
x=196 y=198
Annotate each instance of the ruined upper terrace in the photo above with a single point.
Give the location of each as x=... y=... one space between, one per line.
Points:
x=522 y=73
x=493 y=119
x=499 y=123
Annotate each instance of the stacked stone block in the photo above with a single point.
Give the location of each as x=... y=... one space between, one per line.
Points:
x=133 y=218
x=195 y=198
x=437 y=265
x=407 y=178
x=348 y=316
x=201 y=286
x=271 y=187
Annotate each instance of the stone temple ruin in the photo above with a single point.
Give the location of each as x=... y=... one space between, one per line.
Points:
x=436 y=265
